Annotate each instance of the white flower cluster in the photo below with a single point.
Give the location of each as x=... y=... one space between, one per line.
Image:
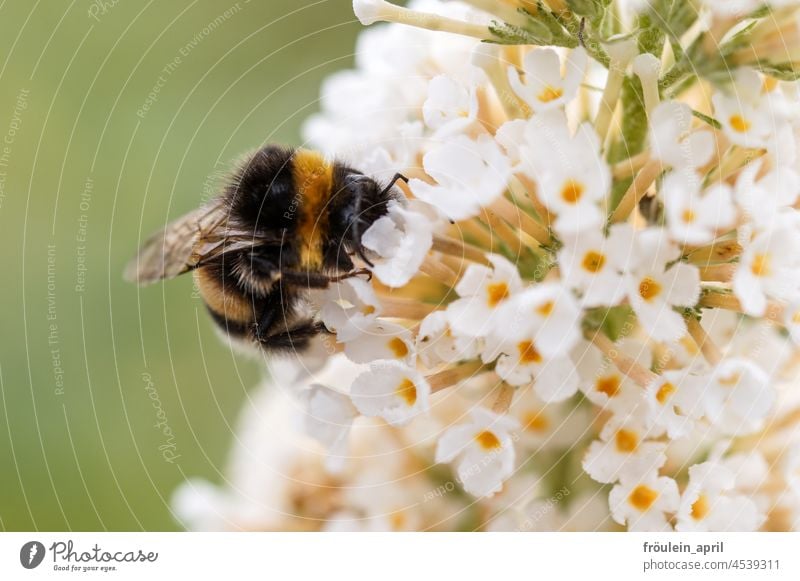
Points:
x=585 y=313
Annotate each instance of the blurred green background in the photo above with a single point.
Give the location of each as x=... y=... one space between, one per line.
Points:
x=90 y=366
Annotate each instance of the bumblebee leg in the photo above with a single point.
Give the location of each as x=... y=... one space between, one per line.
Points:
x=264 y=322
x=271 y=306
x=318 y=280
x=296 y=339
x=352 y=273
x=299 y=278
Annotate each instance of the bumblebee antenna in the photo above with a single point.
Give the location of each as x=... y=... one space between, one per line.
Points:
x=397 y=177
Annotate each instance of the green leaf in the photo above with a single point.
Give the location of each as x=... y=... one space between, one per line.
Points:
x=781 y=71
x=673 y=17
x=591 y=9
x=613 y=322
x=634 y=123
x=738 y=41
x=533 y=266
x=619 y=187
x=651 y=37
x=505 y=33
x=710 y=120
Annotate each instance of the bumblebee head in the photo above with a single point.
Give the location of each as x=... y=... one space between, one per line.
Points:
x=366 y=201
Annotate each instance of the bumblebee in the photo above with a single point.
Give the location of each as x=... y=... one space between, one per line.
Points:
x=286 y=222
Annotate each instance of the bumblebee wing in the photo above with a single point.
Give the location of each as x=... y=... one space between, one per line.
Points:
x=181 y=245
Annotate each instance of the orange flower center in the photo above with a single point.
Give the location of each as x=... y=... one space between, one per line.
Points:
x=407 y=391
x=608 y=385
x=770 y=84
x=550 y=94
x=488 y=441
x=593 y=261
x=398 y=347
x=739 y=124
x=760 y=265
x=536 y=422
x=546 y=308
x=643 y=497
x=496 y=293
x=649 y=288
x=700 y=507
x=664 y=393
x=528 y=353
x=627 y=441
x=572 y=192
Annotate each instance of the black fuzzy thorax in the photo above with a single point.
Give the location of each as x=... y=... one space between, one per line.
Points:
x=265 y=200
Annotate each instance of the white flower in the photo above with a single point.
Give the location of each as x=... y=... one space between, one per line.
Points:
x=710 y=503
x=623 y=451
x=763 y=342
x=695 y=216
x=470 y=175
x=548 y=425
x=647 y=67
x=436 y=343
x=672 y=141
x=450 y=107
x=675 y=402
x=685 y=354
x=544 y=88
x=546 y=313
x=402 y=239
x=643 y=504
x=382 y=340
x=391 y=390
x=750 y=469
x=745 y=115
x=482 y=290
x=738 y=396
x=485 y=448
x=608 y=388
x=654 y=289
x=358 y=109
x=762 y=199
x=768 y=268
x=369 y=11
x=511 y=136
x=349 y=308
x=392 y=52
x=396 y=152
x=520 y=363
x=328 y=418
x=569 y=169
x=200 y=505
x=592 y=265
x=622 y=51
